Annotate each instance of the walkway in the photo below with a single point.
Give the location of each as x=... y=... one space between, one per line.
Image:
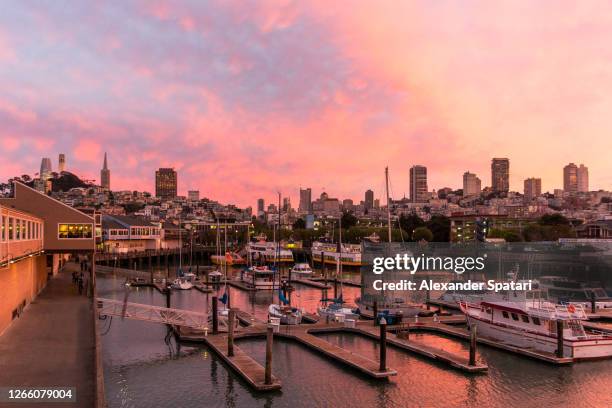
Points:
x=52 y=344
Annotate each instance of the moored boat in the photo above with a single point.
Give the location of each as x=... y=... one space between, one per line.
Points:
x=301 y=270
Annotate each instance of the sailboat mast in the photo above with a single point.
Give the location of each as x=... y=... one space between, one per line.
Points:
x=388 y=203
x=180 y=245
x=340 y=254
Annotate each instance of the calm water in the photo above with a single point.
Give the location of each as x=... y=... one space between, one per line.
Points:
x=142 y=370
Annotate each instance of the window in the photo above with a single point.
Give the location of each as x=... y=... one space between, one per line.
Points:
x=514 y=316
x=75 y=231
x=525 y=318
x=535 y=321
x=17 y=229
x=2 y=235
x=505 y=314
x=10 y=229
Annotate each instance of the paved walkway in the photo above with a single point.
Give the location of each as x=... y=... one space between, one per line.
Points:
x=52 y=343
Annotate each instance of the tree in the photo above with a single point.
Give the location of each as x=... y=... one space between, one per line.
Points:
x=439 y=225
x=348 y=220
x=422 y=233
x=409 y=222
x=553 y=219
x=299 y=224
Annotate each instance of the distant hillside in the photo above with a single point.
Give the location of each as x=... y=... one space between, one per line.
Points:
x=65 y=181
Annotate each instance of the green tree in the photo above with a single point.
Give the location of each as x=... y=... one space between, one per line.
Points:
x=553 y=219
x=299 y=224
x=422 y=233
x=348 y=220
x=409 y=222
x=439 y=225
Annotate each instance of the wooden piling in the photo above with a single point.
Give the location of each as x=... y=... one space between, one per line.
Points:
x=168 y=294
x=375 y=311
x=560 y=338
x=230 y=332
x=383 y=345
x=472 y=345
x=215 y=319
x=269 y=340
x=593 y=304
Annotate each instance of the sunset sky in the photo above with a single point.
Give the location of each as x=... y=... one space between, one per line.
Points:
x=248 y=98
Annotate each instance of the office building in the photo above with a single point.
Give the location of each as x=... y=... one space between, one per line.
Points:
x=305 y=200
x=105 y=174
x=500 y=175
x=369 y=199
x=166 y=183
x=193 y=195
x=471 y=184
x=418 y=184
x=45 y=168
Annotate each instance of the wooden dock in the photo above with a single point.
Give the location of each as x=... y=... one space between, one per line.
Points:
x=346 y=282
x=312 y=283
x=202 y=288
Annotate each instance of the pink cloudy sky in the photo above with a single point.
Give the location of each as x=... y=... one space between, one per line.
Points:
x=247 y=98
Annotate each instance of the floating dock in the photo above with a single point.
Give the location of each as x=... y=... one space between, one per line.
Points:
x=346 y=282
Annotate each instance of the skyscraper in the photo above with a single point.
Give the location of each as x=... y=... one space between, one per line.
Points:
x=369 y=199
x=583 y=178
x=500 y=175
x=418 y=184
x=166 y=183
x=45 y=168
x=471 y=184
x=105 y=174
x=62 y=162
x=286 y=203
x=532 y=188
x=193 y=195
x=260 y=207
x=570 y=178
x=305 y=200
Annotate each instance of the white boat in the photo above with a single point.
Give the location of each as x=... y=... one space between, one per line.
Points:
x=533 y=324
x=215 y=276
x=301 y=270
x=223 y=319
x=336 y=311
x=349 y=255
x=562 y=289
x=258 y=277
x=286 y=314
x=388 y=305
x=182 y=283
x=264 y=251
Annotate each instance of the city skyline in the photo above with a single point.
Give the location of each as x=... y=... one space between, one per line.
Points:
x=249 y=103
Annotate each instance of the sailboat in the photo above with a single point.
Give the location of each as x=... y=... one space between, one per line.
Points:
x=336 y=309
x=392 y=308
x=182 y=281
x=284 y=311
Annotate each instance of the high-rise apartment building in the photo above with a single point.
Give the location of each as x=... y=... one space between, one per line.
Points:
x=500 y=175
x=61 y=163
x=286 y=203
x=193 y=195
x=471 y=184
x=260 y=207
x=105 y=174
x=166 y=183
x=369 y=199
x=305 y=200
x=583 y=178
x=570 y=178
x=532 y=188
x=418 y=184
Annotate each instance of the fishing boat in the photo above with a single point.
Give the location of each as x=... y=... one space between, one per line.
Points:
x=258 y=277
x=230 y=258
x=348 y=254
x=301 y=270
x=533 y=324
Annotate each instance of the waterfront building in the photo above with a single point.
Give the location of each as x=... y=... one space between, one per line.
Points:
x=105 y=175
x=166 y=183
x=193 y=195
x=471 y=184
x=347 y=204
x=582 y=178
x=61 y=163
x=600 y=229
x=418 y=184
x=532 y=188
x=369 y=200
x=570 y=178
x=500 y=175
x=122 y=234
x=36 y=234
x=305 y=200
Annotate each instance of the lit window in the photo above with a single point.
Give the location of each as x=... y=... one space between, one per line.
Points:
x=75 y=231
x=2 y=236
x=10 y=229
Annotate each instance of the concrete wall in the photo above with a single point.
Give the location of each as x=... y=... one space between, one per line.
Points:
x=19 y=282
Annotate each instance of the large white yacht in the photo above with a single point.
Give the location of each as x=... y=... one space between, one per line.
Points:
x=264 y=251
x=350 y=256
